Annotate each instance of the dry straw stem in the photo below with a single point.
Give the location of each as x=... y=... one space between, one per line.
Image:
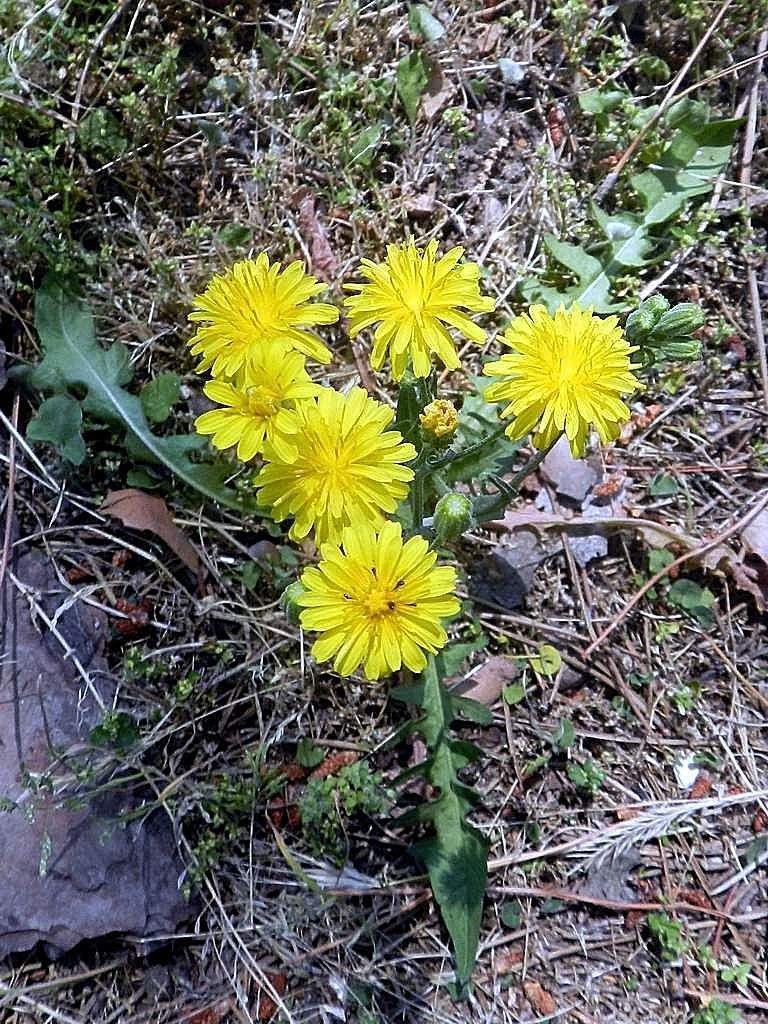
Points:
x=745 y=178
x=653 y=821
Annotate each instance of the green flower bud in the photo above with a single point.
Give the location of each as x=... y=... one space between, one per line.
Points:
x=639 y=324
x=289 y=601
x=684 y=318
x=656 y=305
x=453 y=514
x=679 y=347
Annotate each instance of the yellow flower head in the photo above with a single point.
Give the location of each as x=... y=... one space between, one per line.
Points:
x=258 y=403
x=412 y=295
x=565 y=373
x=253 y=302
x=439 y=418
x=377 y=601
x=348 y=467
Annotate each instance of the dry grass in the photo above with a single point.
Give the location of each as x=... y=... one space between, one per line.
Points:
x=366 y=945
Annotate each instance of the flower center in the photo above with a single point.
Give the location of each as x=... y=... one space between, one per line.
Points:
x=262 y=403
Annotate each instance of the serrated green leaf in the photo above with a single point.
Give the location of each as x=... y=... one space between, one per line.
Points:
x=473 y=710
x=479 y=420
x=159 y=395
x=73 y=360
x=59 y=422
x=411 y=82
x=455 y=857
x=454 y=656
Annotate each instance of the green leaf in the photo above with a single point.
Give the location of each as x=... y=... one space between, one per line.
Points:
x=59 y=421
x=564 y=736
x=688 y=167
x=455 y=857
x=601 y=101
x=472 y=709
x=364 y=148
x=75 y=362
x=308 y=754
x=235 y=235
x=159 y=395
x=411 y=81
x=663 y=486
x=455 y=655
x=658 y=559
x=479 y=420
x=513 y=694
x=548 y=660
x=691 y=598
x=512 y=914
x=424 y=23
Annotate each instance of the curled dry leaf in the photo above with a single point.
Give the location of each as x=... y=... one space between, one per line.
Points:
x=750 y=577
x=486 y=683
x=141 y=511
x=541 y=1001
x=323 y=259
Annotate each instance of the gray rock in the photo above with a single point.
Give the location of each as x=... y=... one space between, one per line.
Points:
x=71 y=869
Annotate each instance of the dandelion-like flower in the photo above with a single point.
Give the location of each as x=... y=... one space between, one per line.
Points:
x=377 y=601
x=253 y=302
x=564 y=374
x=412 y=296
x=348 y=467
x=259 y=403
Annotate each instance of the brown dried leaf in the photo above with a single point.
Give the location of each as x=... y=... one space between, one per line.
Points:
x=140 y=511
x=487 y=683
x=267 y=1006
x=541 y=1001
x=438 y=95
x=323 y=259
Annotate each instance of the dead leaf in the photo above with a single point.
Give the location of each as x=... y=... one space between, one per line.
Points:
x=210 y=1014
x=334 y=763
x=487 y=682
x=612 y=880
x=508 y=961
x=721 y=558
x=488 y=40
x=438 y=95
x=754 y=537
x=541 y=1001
x=267 y=1007
x=323 y=259
x=422 y=205
x=140 y=511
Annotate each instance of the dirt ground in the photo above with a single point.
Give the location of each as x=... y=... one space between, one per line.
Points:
x=146 y=146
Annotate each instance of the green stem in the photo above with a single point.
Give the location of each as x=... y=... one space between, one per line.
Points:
x=430 y=465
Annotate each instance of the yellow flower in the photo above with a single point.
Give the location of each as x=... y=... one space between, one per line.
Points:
x=253 y=302
x=439 y=418
x=259 y=403
x=377 y=601
x=348 y=467
x=412 y=295
x=564 y=374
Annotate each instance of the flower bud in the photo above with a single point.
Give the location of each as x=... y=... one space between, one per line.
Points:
x=453 y=514
x=656 y=305
x=639 y=324
x=684 y=318
x=680 y=348
x=439 y=420
x=289 y=601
